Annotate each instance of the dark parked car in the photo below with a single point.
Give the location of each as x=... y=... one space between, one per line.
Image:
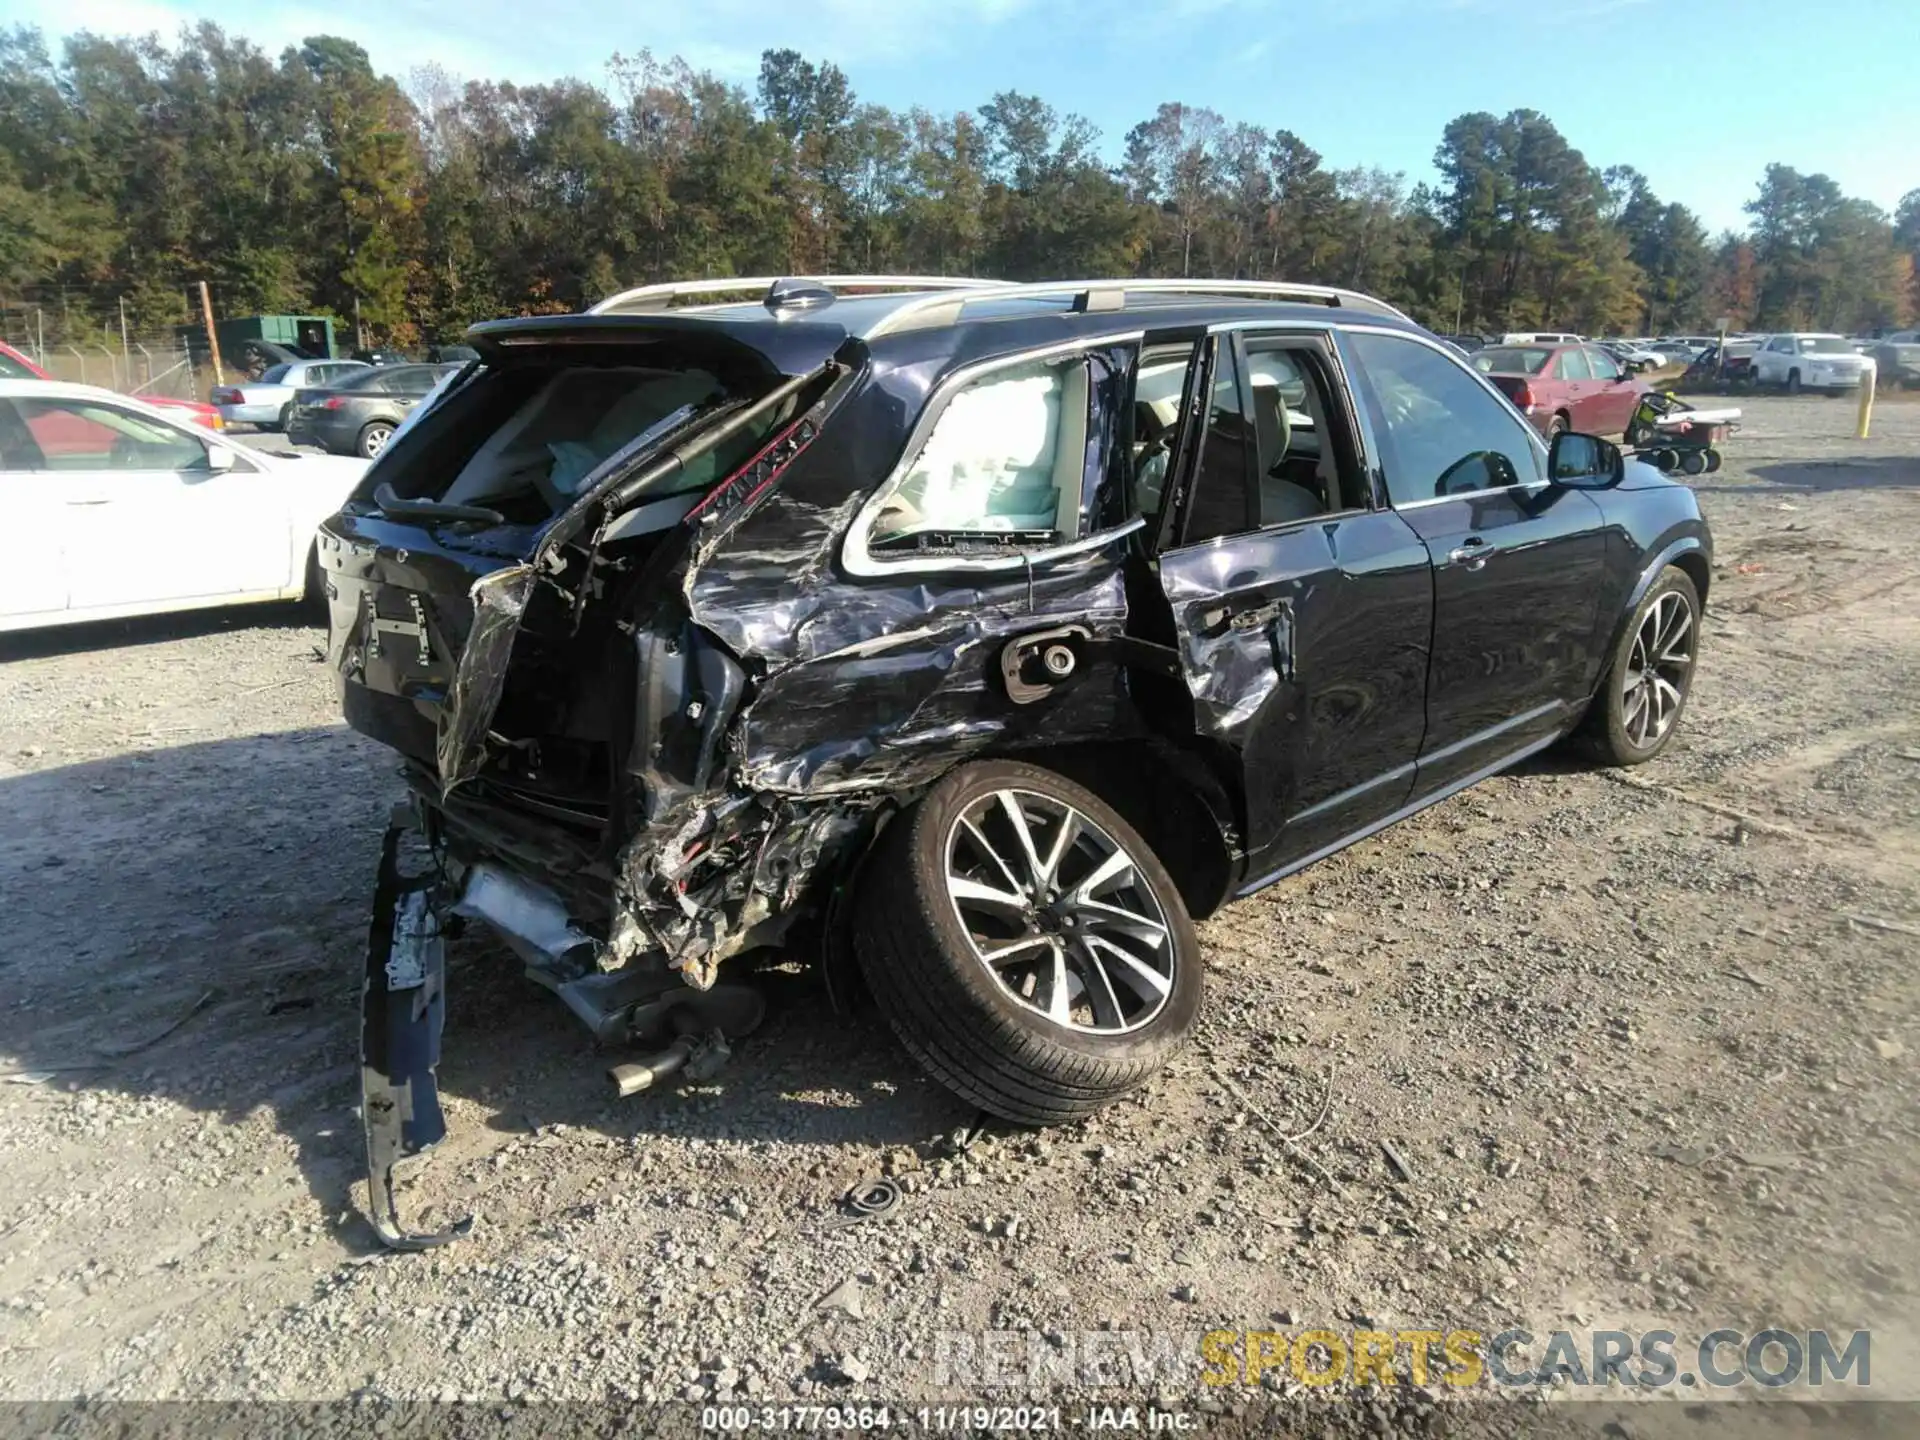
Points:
x=1734 y=366
x=974 y=641
x=1898 y=358
x=1564 y=387
x=358 y=415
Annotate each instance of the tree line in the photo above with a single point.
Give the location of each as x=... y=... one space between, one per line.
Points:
x=311 y=183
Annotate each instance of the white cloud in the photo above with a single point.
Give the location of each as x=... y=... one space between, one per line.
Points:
x=497 y=39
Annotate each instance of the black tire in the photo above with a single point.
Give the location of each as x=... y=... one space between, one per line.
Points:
x=1606 y=732
x=966 y=1027
x=373 y=439
x=286 y=417
x=1793 y=382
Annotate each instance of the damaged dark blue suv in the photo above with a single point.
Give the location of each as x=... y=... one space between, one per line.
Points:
x=973 y=638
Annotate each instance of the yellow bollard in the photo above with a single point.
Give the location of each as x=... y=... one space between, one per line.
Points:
x=1866 y=401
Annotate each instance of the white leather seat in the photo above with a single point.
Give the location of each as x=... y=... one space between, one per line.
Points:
x=1280 y=500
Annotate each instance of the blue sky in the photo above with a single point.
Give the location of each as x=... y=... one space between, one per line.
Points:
x=1699 y=94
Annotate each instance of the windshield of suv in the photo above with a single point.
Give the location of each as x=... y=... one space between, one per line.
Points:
x=1825 y=345
x=1511 y=360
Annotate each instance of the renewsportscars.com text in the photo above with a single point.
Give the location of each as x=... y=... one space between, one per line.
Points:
x=1722 y=1358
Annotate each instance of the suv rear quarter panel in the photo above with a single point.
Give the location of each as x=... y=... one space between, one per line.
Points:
x=885 y=682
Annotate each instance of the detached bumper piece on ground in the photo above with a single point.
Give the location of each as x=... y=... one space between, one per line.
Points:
x=971 y=638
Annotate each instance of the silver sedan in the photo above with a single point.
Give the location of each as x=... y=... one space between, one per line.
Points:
x=268 y=401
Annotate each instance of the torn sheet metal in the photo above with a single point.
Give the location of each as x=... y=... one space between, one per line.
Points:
x=403 y=1007
x=499 y=600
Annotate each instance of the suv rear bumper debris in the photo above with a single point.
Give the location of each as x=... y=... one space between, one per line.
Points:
x=403 y=1007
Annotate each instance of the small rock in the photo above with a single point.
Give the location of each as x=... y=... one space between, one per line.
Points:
x=1888 y=1049
x=1186 y=1294
x=845 y=1297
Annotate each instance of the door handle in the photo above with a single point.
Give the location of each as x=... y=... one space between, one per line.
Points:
x=1471 y=553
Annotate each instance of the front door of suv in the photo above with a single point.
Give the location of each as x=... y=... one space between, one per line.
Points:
x=1301 y=608
x=1518 y=565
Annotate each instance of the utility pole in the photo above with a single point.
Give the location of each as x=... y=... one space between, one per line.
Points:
x=125 y=352
x=40 y=333
x=213 y=344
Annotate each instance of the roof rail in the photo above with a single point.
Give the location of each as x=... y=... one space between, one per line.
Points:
x=660 y=297
x=933 y=310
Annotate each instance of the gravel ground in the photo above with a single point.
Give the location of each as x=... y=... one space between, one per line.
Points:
x=1643 y=1044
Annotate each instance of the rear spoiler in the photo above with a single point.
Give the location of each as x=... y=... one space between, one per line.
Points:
x=766 y=346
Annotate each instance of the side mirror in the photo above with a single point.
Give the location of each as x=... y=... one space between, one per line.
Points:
x=1584 y=461
x=219 y=458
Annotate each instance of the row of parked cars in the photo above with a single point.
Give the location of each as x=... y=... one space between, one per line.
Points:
x=346 y=407
x=1794 y=360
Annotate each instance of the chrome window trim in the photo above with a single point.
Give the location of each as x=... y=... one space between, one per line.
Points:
x=1352 y=512
x=1473 y=494
x=858 y=560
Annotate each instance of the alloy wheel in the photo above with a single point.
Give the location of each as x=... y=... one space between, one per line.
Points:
x=374 y=439
x=1659 y=668
x=1058 y=913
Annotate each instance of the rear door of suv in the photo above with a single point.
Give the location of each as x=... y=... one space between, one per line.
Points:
x=1300 y=604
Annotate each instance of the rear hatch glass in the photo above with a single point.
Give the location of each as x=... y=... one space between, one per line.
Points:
x=526 y=440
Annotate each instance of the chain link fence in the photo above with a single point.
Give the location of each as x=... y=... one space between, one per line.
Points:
x=142 y=365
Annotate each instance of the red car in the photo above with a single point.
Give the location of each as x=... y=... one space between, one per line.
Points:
x=15 y=366
x=1563 y=387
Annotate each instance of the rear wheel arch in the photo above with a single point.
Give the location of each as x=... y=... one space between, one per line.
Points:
x=1173 y=798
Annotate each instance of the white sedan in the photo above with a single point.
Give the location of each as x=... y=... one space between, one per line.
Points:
x=122 y=510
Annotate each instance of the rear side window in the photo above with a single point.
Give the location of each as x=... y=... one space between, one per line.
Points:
x=409 y=379
x=1512 y=360
x=369 y=379
x=1002 y=465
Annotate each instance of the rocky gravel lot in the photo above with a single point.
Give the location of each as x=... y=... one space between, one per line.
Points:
x=1642 y=1047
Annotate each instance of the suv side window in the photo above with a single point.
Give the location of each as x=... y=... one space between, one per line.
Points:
x=1441 y=432
x=1001 y=469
